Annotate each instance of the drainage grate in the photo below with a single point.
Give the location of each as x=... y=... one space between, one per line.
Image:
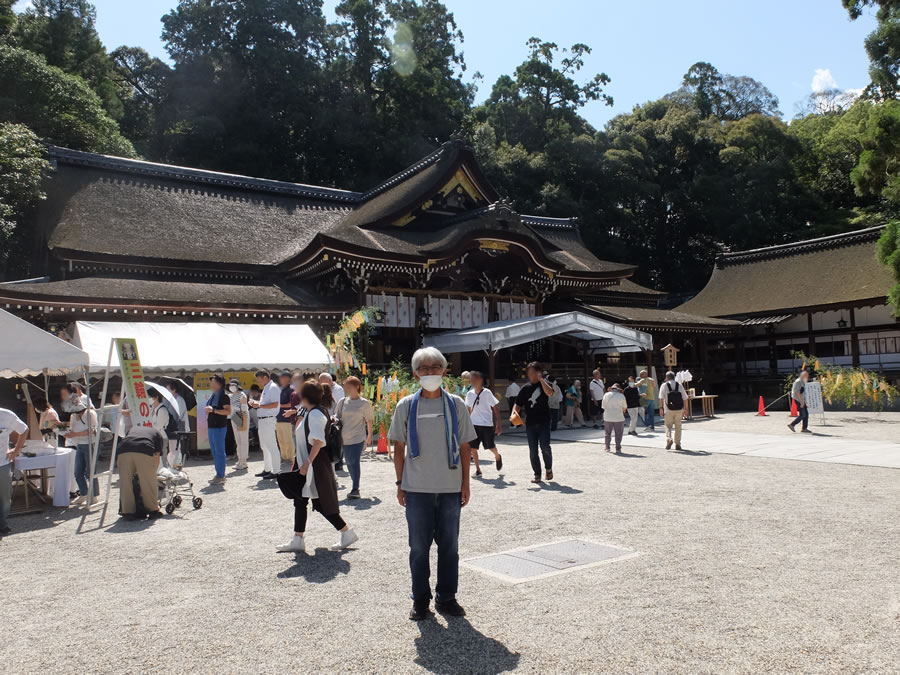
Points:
x=544 y=560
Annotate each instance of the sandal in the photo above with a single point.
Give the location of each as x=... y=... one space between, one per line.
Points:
x=499 y=462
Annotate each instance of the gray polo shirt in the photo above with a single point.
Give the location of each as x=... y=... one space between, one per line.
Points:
x=430 y=471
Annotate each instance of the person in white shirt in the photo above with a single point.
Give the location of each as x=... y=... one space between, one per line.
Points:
x=9 y=424
x=597 y=390
x=240 y=409
x=512 y=390
x=83 y=432
x=485 y=413
x=267 y=408
x=671 y=403
x=337 y=391
x=614 y=405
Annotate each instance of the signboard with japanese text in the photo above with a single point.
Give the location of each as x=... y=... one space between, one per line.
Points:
x=133 y=381
x=813 y=394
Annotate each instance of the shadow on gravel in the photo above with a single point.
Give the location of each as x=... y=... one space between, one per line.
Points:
x=460 y=648
x=318 y=568
x=498 y=483
x=556 y=487
x=264 y=484
x=693 y=453
x=361 y=504
x=215 y=488
x=629 y=454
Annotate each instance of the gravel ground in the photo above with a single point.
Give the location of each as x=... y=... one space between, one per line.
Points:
x=883 y=426
x=744 y=565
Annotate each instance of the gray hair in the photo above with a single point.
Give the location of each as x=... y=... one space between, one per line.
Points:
x=429 y=354
x=328 y=375
x=670 y=375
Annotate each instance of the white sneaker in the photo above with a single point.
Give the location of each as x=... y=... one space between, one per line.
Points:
x=296 y=543
x=347 y=538
x=80 y=499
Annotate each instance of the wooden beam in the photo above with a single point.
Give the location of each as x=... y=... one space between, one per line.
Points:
x=854 y=339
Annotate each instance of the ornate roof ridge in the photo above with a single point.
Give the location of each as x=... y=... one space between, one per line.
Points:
x=220 y=179
x=800 y=247
x=503 y=209
x=427 y=160
x=558 y=223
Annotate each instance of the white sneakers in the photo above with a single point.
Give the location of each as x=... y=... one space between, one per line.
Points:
x=80 y=499
x=348 y=537
x=297 y=544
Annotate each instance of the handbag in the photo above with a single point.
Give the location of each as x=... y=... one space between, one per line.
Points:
x=515 y=418
x=291 y=484
x=238 y=419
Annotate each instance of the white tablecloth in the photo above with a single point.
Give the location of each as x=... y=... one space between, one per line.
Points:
x=62 y=465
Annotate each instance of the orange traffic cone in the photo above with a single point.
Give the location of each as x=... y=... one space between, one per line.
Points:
x=762 y=409
x=382 y=442
x=794 y=411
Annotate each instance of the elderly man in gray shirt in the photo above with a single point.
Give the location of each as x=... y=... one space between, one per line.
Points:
x=431 y=431
x=798 y=393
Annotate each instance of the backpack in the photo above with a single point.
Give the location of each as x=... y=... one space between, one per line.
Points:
x=673 y=397
x=334 y=442
x=174 y=424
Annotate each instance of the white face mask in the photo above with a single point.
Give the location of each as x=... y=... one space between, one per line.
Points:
x=233 y=388
x=431 y=382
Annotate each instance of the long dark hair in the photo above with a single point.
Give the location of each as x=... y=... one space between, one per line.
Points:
x=327 y=396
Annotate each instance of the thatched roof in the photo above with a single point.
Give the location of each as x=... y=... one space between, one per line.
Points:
x=835 y=270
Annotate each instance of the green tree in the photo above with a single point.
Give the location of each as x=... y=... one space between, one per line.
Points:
x=727 y=97
x=878 y=171
x=64 y=33
x=60 y=108
x=23 y=166
x=889 y=254
x=882 y=46
x=7 y=18
x=143 y=83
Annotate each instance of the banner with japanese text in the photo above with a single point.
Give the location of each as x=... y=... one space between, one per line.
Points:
x=133 y=380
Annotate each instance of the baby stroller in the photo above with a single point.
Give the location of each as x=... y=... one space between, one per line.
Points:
x=174 y=486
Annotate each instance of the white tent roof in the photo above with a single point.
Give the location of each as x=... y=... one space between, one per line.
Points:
x=26 y=350
x=601 y=336
x=168 y=347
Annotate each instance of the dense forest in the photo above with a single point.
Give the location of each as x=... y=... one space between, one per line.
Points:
x=270 y=88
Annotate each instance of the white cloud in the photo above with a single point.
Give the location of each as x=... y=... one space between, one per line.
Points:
x=823 y=80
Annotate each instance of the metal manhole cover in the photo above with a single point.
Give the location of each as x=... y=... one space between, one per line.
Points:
x=535 y=562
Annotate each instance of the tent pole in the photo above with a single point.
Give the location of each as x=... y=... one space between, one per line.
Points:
x=586 y=401
x=95 y=447
x=492 y=370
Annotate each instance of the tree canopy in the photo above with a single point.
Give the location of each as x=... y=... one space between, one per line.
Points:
x=274 y=88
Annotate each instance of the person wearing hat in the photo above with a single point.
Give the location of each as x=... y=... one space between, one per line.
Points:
x=82 y=432
x=614 y=406
x=218 y=410
x=240 y=422
x=9 y=424
x=284 y=428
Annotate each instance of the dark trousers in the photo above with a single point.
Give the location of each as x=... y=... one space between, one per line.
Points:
x=803 y=417
x=554 y=418
x=301 y=512
x=539 y=435
x=433 y=518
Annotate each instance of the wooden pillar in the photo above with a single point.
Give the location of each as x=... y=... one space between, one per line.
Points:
x=586 y=382
x=740 y=362
x=492 y=367
x=811 y=348
x=854 y=339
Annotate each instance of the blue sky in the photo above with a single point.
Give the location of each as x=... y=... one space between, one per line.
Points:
x=645 y=46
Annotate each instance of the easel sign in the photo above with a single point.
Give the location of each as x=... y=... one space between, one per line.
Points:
x=814 y=403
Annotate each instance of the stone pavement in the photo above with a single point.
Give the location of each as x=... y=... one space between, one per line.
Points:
x=819 y=446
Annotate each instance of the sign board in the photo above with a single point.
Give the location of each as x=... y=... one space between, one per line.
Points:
x=133 y=382
x=203 y=392
x=813 y=393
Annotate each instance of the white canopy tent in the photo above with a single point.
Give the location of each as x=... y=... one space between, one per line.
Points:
x=176 y=347
x=27 y=351
x=595 y=335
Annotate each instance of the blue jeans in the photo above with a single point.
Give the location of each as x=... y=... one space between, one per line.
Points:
x=539 y=434
x=648 y=414
x=83 y=470
x=5 y=493
x=352 y=454
x=217 y=447
x=433 y=517
x=803 y=416
x=554 y=418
